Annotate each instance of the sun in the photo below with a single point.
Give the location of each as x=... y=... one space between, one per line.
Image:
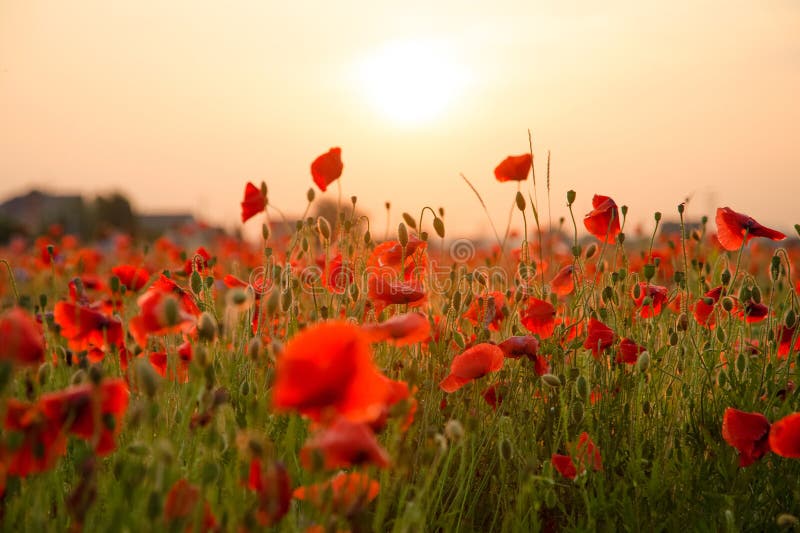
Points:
x=411 y=81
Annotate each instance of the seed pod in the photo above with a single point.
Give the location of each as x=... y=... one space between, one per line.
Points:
x=582 y=388
x=196 y=282
x=621 y=236
x=147 y=377
x=673 y=339
x=207 y=327
x=453 y=430
x=551 y=380
x=438 y=226
x=590 y=250
x=576 y=412
x=402 y=234
x=643 y=362
x=254 y=348
x=682 y=323
x=649 y=271
x=520 y=200
x=727 y=304
x=324 y=228
x=725 y=277
x=791 y=319
x=570 y=197
x=657 y=216
x=410 y=221
x=367 y=237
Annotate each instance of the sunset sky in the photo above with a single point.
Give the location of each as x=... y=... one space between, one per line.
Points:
x=178 y=104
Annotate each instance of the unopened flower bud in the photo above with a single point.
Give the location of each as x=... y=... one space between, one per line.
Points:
x=207 y=327
x=551 y=380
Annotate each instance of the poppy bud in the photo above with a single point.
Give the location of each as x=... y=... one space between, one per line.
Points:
x=797 y=229
x=402 y=234
x=506 y=450
x=624 y=210
x=775 y=268
x=147 y=377
x=726 y=276
x=438 y=226
x=576 y=250
x=310 y=195
x=681 y=208
x=78 y=377
x=720 y=335
x=196 y=282
x=679 y=277
x=673 y=339
x=657 y=216
x=324 y=228
x=96 y=374
x=755 y=294
x=577 y=412
x=744 y=293
x=453 y=430
x=608 y=294
x=551 y=380
x=643 y=362
x=265 y=231
x=43 y=374
x=367 y=237
x=347 y=226
x=637 y=291
x=459 y=339
x=207 y=327
x=410 y=222
x=520 y=201
x=727 y=304
x=171 y=311
x=791 y=319
x=51 y=250
x=590 y=250
x=264 y=190
x=741 y=363
x=582 y=388
x=649 y=271
x=682 y=323
x=424 y=235
x=286 y=299
x=570 y=197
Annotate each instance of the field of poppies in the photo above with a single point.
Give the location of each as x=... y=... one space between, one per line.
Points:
x=561 y=378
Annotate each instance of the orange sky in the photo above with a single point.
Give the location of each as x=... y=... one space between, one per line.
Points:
x=178 y=104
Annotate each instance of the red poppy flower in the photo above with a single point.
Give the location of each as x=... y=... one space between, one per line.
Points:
x=328 y=367
x=514 y=168
x=479 y=311
x=383 y=291
x=474 y=363
x=392 y=253
x=160 y=314
x=784 y=437
x=564 y=465
x=628 y=351
x=43 y=442
x=563 y=283
x=327 y=168
x=587 y=453
x=85 y=328
x=398 y=391
x=254 y=202
x=752 y=312
x=274 y=489
x=23 y=341
x=599 y=337
x=340 y=493
x=657 y=295
x=400 y=330
x=749 y=433
x=344 y=444
x=527 y=346
x=133 y=278
x=703 y=309
x=91 y=412
x=339 y=275
x=785 y=343
x=603 y=220
x=182 y=500
x=539 y=316
x=732 y=227
x=198 y=261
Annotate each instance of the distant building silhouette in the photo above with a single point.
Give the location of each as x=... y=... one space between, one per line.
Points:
x=36 y=211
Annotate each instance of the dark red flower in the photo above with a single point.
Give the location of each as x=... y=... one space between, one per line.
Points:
x=400 y=330
x=784 y=437
x=85 y=328
x=527 y=346
x=22 y=338
x=749 y=433
x=474 y=363
x=732 y=227
x=514 y=168
x=43 y=441
x=564 y=465
x=603 y=220
x=563 y=283
x=539 y=316
x=340 y=493
x=703 y=309
x=344 y=444
x=272 y=483
x=327 y=168
x=133 y=278
x=599 y=337
x=657 y=295
x=628 y=351
x=255 y=201
x=182 y=500
x=480 y=313
x=328 y=368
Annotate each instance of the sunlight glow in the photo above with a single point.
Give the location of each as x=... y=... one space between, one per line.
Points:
x=411 y=81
